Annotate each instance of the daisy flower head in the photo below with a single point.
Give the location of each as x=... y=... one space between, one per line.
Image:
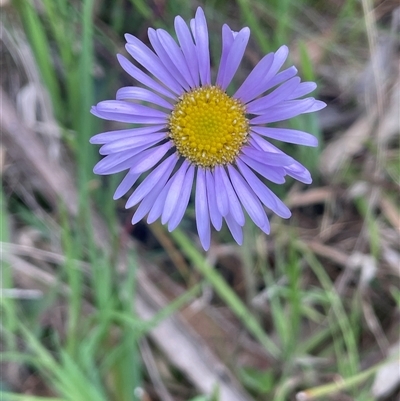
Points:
x=188 y=132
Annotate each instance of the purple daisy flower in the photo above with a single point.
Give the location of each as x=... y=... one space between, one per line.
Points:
x=189 y=131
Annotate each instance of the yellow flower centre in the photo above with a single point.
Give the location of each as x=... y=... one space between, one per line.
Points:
x=208 y=127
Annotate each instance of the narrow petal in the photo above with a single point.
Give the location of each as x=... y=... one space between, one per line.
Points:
x=160 y=172
x=106 y=137
x=162 y=54
x=266 y=196
x=180 y=208
x=280 y=57
x=235 y=56
x=266 y=227
x=299 y=172
x=176 y=56
x=116 y=162
x=148 y=201
x=188 y=48
x=246 y=91
x=234 y=228
x=122 y=107
x=150 y=158
x=158 y=205
x=125 y=185
x=284 y=111
x=287 y=135
x=144 y=56
x=132 y=143
x=203 y=54
x=136 y=93
x=222 y=198
x=262 y=85
x=174 y=192
x=235 y=207
x=247 y=197
x=142 y=77
x=316 y=106
x=215 y=215
x=303 y=89
x=106 y=113
x=272 y=173
x=227 y=40
x=280 y=78
x=259 y=106
x=267 y=146
x=268 y=158
x=201 y=206
x=193 y=29
x=133 y=151
x=264 y=145
x=276 y=80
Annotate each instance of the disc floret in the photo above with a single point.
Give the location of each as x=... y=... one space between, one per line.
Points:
x=208 y=127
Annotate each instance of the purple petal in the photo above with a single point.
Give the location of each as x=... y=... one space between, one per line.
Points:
x=148 y=201
x=287 y=135
x=215 y=215
x=125 y=185
x=109 y=136
x=136 y=93
x=188 y=48
x=284 y=111
x=266 y=227
x=162 y=54
x=266 y=196
x=316 y=106
x=234 y=228
x=272 y=173
x=227 y=40
x=174 y=193
x=222 y=198
x=268 y=158
x=280 y=57
x=247 y=197
x=184 y=200
x=144 y=56
x=279 y=78
x=158 y=205
x=202 y=216
x=263 y=145
x=299 y=172
x=261 y=105
x=200 y=33
x=125 y=114
x=117 y=162
x=234 y=204
x=235 y=56
x=150 y=158
x=246 y=91
x=162 y=171
x=176 y=56
x=132 y=143
x=303 y=89
x=122 y=107
x=258 y=87
x=142 y=77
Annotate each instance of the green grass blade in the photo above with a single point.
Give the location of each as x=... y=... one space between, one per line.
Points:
x=225 y=292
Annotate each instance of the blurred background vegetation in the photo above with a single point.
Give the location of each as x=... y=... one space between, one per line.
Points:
x=94 y=309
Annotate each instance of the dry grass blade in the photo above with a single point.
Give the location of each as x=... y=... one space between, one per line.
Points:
x=27 y=272
x=347 y=145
